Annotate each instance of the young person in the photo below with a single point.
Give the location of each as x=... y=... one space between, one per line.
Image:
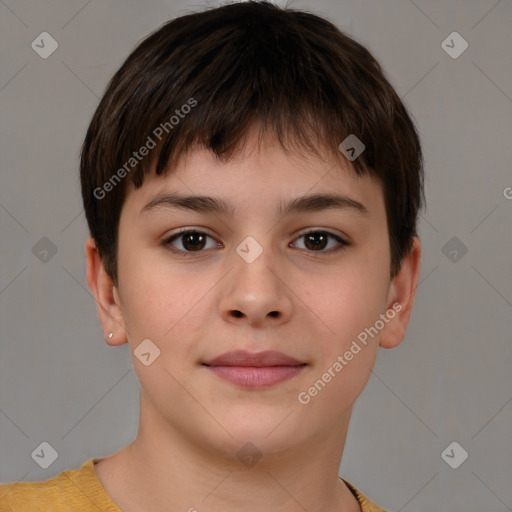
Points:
x=251 y=182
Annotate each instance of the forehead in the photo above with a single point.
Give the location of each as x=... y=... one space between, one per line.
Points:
x=264 y=170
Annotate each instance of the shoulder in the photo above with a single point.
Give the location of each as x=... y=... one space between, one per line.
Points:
x=366 y=504
x=18 y=496
x=73 y=490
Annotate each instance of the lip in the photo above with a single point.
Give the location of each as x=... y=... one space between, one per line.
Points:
x=255 y=370
x=258 y=359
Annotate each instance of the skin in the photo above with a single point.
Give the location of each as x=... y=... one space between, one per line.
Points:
x=192 y=423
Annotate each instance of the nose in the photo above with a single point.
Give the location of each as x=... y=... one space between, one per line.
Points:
x=257 y=292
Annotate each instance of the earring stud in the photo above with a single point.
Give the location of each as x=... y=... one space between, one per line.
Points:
x=110 y=335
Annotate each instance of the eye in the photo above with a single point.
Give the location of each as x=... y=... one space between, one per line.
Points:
x=191 y=241
x=194 y=241
x=317 y=240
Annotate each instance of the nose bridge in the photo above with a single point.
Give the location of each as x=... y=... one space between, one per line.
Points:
x=255 y=262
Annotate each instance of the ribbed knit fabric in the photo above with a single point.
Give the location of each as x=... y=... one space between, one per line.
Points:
x=80 y=490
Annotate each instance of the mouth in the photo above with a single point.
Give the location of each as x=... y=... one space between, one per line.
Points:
x=255 y=370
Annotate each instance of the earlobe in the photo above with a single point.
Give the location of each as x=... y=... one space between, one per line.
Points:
x=106 y=296
x=402 y=292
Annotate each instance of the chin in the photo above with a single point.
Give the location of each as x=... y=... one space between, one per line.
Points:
x=262 y=434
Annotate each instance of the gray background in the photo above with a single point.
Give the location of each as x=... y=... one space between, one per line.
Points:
x=449 y=381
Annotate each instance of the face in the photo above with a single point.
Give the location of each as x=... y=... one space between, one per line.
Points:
x=305 y=283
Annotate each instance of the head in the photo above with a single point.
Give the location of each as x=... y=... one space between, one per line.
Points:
x=249 y=103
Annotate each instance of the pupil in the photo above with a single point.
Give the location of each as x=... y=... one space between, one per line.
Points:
x=316 y=236
x=191 y=236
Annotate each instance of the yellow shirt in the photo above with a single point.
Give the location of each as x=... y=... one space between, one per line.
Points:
x=80 y=490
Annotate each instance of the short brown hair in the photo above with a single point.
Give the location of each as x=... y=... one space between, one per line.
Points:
x=293 y=72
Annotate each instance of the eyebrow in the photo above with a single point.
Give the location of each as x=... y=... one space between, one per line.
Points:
x=207 y=204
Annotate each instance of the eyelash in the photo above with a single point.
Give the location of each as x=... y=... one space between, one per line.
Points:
x=168 y=242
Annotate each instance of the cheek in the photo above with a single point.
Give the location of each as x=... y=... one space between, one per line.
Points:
x=154 y=306
x=162 y=304
x=346 y=348
x=351 y=299
x=162 y=311
x=145 y=298
x=348 y=304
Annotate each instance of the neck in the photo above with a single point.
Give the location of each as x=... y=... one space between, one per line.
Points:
x=163 y=469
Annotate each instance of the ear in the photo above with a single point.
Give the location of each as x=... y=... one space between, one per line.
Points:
x=401 y=294
x=106 y=295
